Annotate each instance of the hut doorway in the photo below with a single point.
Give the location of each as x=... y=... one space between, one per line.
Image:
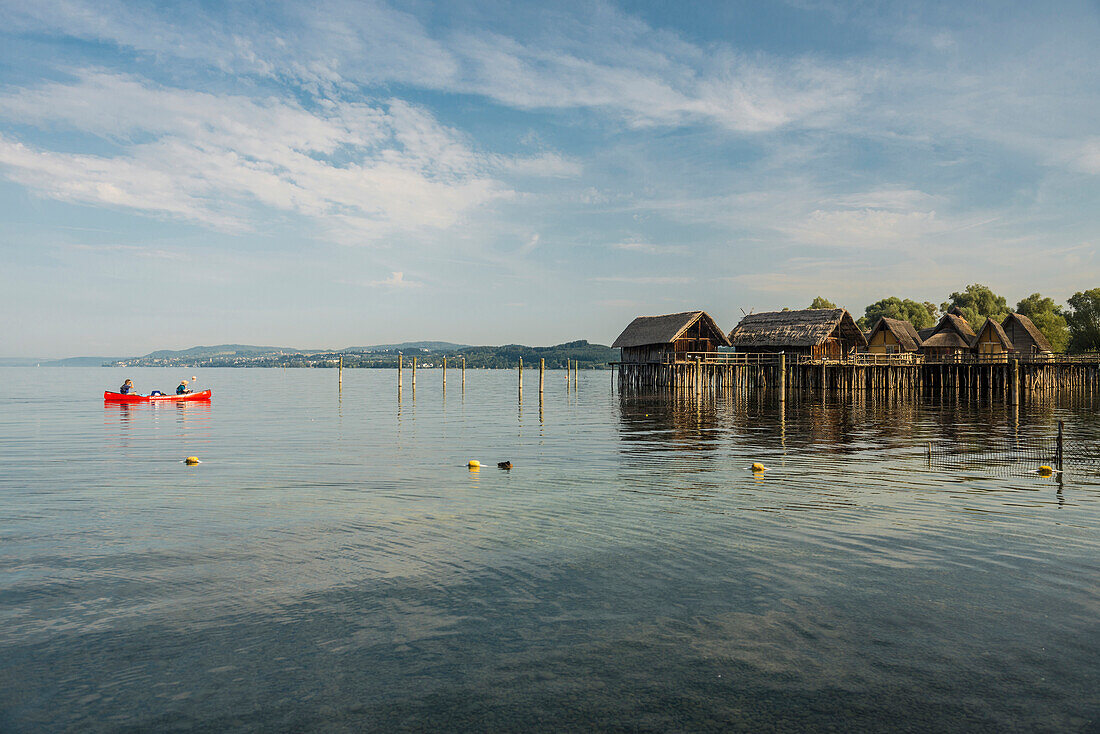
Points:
x=831 y=348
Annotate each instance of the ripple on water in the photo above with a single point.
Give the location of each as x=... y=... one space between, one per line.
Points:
x=333 y=564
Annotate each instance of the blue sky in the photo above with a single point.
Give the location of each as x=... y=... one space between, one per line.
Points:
x=341 y=173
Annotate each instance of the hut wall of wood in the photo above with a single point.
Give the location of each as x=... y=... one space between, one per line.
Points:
x=1025 y=336
x=883 y=342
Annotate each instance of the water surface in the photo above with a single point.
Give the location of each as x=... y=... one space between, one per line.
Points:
x=332 y=565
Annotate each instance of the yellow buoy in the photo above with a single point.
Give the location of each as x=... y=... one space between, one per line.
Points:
x=757 y=466
x=190 y=460
x=1046 y=471
x=474 y=464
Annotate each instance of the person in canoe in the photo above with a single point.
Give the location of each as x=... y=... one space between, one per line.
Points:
x=127 y=388
x=182 y=389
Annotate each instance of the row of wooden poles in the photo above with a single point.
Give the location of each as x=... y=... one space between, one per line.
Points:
x=572 y=372
x=1012 y=379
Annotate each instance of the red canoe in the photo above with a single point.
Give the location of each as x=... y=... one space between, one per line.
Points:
x=117 y=397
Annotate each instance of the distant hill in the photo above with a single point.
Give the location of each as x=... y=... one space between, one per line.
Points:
x=79 y=361
x=587 y=356
x=424 y=346
x=221 y=350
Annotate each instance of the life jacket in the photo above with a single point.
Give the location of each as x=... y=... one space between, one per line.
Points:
x=181 y=390
x=125 y=389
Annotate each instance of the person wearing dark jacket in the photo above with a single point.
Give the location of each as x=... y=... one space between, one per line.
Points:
x=127 y=388
x=182 y=389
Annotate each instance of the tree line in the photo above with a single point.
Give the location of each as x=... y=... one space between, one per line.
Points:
x=1074 y=327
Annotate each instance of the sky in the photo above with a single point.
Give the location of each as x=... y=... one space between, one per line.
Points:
x=337 y=173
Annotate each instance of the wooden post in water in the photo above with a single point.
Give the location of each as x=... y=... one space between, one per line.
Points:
x=463 y=374
x=444 y=374
x=1058 y=450
x=340 y=372
x=1014 y=383
x=400 y=361
x=782 y=377
x=520 y=373
x=542 y=374
x=414 y=378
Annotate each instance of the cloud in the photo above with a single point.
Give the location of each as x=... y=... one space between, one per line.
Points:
x=397 y=280
x=614 y=63
x=863 y=227
x=620 y=303
x=644 y=280
x=530 y=245
x=550 y=165
x=131 y=250
x=1085 y=156
x=650 y=249
x=360 y=169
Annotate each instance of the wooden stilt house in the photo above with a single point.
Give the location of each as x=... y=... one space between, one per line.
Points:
x=1025 y=335
x=992 y=340
x=818 y=333
x=952 y=336
x=893 y=336
x=661 y=339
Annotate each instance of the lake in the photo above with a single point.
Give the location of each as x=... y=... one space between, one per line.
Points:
x=332 y=564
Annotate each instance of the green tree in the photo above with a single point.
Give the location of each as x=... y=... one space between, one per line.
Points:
x=978 y=303
x=1048 y=318
x=921 y=315
x=820 y=302
x=1084 y=321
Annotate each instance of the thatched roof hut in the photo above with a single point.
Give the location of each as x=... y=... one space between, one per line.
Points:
x=820 y=332
x=652 y=338
x=896 y=333
x=1025 y=335
x=992 y=339
x=952 y=334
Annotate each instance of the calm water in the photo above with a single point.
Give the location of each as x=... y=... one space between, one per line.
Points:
x=332 y=565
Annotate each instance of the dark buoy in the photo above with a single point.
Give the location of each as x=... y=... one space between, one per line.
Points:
x=505 y=465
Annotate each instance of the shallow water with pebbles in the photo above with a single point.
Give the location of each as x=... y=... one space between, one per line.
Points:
x=333 y=565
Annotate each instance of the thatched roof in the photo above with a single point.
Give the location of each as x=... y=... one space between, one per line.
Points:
x=903 y=331
x=805 y=328
x=952 y=332
x=666 y=329
x=998 y=333
x=925 y=333
x=1032 y=330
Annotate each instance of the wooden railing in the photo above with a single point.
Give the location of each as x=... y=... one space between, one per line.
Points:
x=868 y=359
x=725 y=358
